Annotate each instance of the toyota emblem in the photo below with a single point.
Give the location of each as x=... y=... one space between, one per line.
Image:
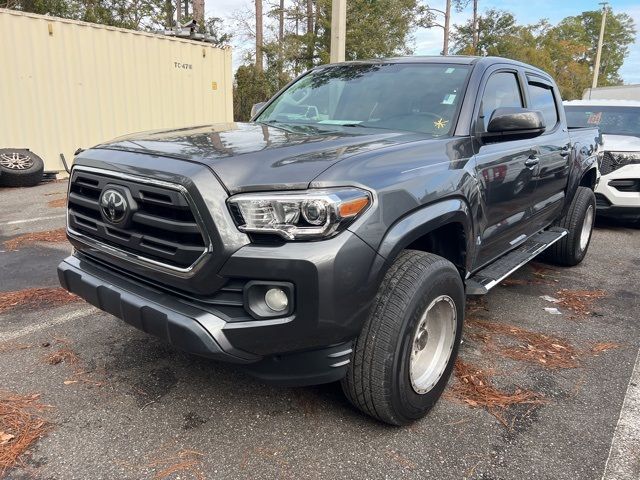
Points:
x=114 y=205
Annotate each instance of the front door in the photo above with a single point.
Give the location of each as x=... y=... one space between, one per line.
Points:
x=507 y=174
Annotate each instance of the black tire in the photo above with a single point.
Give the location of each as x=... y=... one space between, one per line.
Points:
x=378 y=380
x=20 y=168
x=568 y=251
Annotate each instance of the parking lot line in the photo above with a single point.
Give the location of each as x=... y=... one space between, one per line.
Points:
x=30 y=220
x=66 y=317
x=623 y=461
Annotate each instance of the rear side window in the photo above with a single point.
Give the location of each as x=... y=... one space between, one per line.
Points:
x=542 y=99
x=502 y=90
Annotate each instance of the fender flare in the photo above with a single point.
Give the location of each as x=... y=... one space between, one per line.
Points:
x=583 y=164
x=420 y=222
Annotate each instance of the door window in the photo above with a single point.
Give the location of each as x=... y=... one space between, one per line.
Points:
x=502 y=90
x=542 y=99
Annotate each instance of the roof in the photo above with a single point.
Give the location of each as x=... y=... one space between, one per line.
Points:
x=603 y=103
x=446 y=59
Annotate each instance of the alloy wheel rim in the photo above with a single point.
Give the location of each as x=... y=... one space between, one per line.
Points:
x=16 y=161
x=587 y=226
x=432 y=344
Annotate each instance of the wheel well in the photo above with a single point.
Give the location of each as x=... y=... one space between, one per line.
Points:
x=448 y=241
x=589 y=179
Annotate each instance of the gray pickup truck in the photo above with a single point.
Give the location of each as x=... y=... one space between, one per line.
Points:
x=336 y=235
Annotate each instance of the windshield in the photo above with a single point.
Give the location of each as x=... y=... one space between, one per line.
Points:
x=412 y=97
x=610 y=120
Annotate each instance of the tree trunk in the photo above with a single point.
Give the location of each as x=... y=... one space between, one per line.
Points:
x=280 y=43
x=169 y=12
x=310 y=39
x=259 y=35
x=179 y=13
x=198 y=13
x=186 y=9
x=447 y=19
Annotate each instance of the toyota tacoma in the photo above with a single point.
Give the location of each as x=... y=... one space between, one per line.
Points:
x=336 y=236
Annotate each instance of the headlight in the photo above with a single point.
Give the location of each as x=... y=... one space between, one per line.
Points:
x=309 y=214
x=611 y=161
x=625 y=158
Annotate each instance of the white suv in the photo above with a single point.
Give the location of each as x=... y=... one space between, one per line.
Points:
x=618 y=193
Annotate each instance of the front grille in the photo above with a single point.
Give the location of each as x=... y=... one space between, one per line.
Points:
x=160 y=226
x=608 y=163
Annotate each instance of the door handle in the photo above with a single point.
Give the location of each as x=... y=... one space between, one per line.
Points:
x=564 y=152
x=531 y=162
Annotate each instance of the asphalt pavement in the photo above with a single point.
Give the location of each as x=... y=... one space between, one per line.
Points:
x=127 y=406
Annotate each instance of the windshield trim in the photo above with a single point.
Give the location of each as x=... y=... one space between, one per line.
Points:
x=454 y=119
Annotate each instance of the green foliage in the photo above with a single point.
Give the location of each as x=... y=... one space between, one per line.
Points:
x=251 y=87
x=566 y=51
x=148 y=15
x=375 y=28
x=619 y=34
x=215 y=28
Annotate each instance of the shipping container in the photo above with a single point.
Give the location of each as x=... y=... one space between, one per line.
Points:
x=68 y=84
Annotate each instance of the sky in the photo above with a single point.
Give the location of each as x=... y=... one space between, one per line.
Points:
x=429 y=41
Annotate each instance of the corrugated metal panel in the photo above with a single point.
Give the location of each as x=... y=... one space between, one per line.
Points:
x=68 y=84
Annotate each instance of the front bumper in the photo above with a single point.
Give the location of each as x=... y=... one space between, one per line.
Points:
x=184 y=326
x=619 y=201
x=335 y=282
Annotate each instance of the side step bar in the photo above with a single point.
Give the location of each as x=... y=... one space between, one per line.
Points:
x=484 y=280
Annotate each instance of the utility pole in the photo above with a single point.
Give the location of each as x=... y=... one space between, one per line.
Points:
x=474 y=41
x=259 y=65
x=596 y=67
x=338 y=30
x=447 y=18
x=178 y=13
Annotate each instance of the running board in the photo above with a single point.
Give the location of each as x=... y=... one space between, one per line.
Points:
x=491 y=275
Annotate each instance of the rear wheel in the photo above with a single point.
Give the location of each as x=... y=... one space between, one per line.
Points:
x=578 y=221
x=406 y=350
x=20 y=168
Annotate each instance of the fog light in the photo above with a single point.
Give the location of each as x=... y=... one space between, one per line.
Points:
x=276 y=299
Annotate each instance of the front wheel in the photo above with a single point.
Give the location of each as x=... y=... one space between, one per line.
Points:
x=578 y=222
x=406 y=350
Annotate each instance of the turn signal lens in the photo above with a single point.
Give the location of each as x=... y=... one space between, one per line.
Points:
x=353 y=207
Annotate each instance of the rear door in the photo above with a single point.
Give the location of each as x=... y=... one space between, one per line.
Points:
x=553 y=150
x=506 y=175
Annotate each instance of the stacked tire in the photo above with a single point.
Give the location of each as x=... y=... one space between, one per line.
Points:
x=20 y=168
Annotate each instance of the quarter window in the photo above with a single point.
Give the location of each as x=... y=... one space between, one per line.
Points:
x=542 y=99
x=502 y=90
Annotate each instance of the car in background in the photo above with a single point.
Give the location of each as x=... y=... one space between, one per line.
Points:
x=618 y=193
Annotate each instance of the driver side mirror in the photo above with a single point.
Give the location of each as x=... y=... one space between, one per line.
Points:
x=256 y=108
x=514 y=123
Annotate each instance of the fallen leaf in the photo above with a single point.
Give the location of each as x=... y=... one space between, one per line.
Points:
x=6 y=437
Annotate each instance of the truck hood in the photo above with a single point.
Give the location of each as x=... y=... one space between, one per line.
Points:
x=251 y=156
x=621 y=143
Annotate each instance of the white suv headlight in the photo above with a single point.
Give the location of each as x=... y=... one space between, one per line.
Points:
x=303 y=215
x=626 y=158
